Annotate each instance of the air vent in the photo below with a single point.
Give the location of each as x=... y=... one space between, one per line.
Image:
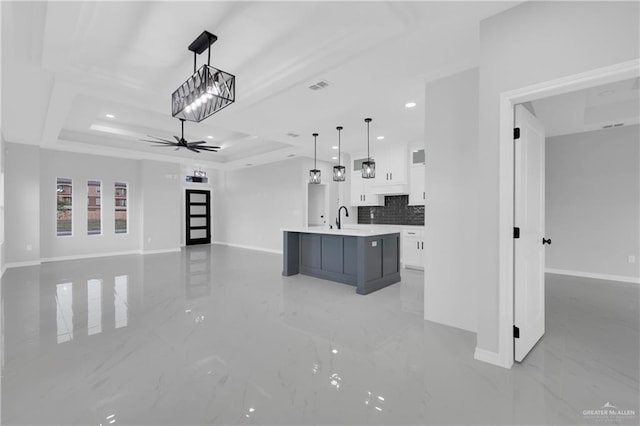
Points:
x=618 y=124
x=248 y=164
x=322 y=84
x=291 y=155
x=608 y=126
x=292 y=135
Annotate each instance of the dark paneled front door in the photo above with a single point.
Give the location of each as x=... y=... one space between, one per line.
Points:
x=198 y=217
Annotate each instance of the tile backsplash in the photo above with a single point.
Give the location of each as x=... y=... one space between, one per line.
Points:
x=396 y=211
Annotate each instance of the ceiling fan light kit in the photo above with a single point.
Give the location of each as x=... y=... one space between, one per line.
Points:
x=207 y=91
x=181 y=142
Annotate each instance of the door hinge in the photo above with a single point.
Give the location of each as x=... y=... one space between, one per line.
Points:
x=516 y=133
x=516 y=232
x=516 y=332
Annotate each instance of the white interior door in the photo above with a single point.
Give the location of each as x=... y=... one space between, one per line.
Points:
x=529 y=217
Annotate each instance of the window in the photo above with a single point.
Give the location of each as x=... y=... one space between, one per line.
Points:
x=64 y=210
x=121 y=212
x=94 y=209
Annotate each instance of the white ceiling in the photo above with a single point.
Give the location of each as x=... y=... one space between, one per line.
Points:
x=65 y=65
x=590 y=109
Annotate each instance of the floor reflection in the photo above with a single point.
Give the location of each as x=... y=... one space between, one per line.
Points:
x=216 y=335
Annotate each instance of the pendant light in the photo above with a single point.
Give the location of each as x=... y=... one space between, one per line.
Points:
x=338 y=171
x=314 y=174
x=369 y=166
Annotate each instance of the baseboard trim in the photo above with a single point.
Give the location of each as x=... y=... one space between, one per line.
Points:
x=172 y=250
x=21 y=264
x=88 y=256
x=248 y=247
x=489 y=357
x=608 y=277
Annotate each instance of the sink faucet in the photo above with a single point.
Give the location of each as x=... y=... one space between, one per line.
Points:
x=346 y=212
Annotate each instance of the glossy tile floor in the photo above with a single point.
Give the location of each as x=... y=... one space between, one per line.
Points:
x=215 y=335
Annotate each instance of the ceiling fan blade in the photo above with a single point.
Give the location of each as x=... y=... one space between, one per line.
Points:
x=178 y=139
x=196 y=143
x=162 y=143
x=156 y=137
x=207 y=150
x=167 y=145
x=200 y=145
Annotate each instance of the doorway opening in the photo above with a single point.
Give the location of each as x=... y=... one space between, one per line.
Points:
x=317 y=213
x=507 y=214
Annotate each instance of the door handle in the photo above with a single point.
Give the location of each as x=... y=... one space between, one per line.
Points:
x=390 y=176
x=545 y=241
x=423 y=245
x=418 y=245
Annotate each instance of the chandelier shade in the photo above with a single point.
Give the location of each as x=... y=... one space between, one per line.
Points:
x=339 y=170
x=207 y=91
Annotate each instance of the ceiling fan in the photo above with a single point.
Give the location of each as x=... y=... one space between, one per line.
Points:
x=181 y=142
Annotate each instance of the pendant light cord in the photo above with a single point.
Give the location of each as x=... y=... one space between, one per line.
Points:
x=315 y=143
x=368 y=120
x=339 y=143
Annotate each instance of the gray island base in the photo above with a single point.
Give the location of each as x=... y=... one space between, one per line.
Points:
x=369 y=261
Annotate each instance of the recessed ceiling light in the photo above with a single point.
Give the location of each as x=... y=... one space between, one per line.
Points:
x=380 y=138
x=209 y=137
x=334 y=147
x=110 y=116
x=334 y=158
x=410 y=104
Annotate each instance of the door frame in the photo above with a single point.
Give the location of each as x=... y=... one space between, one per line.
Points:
x=508 y=101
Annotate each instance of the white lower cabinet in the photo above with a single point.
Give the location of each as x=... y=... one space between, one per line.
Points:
x=413 y=248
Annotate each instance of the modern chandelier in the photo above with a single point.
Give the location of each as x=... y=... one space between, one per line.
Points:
x=207 y=91
x=314 y=174
x=369 y=166
x=339 y=171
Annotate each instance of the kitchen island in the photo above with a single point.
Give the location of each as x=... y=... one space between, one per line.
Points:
x=364 y=258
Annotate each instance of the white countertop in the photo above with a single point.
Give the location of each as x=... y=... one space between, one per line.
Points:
x=352 y=232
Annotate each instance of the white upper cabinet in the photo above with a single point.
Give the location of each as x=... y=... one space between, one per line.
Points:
x=362 y=193
x=391 y=169
x=417 y=195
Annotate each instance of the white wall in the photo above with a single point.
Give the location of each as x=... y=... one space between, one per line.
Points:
x=451 y=134
x=155 y=206
x=81 y=168
x=22 y=197
x=2 y=177
x=593 y=201
x=258 y=201
x=161 y=206
x=532 y=43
